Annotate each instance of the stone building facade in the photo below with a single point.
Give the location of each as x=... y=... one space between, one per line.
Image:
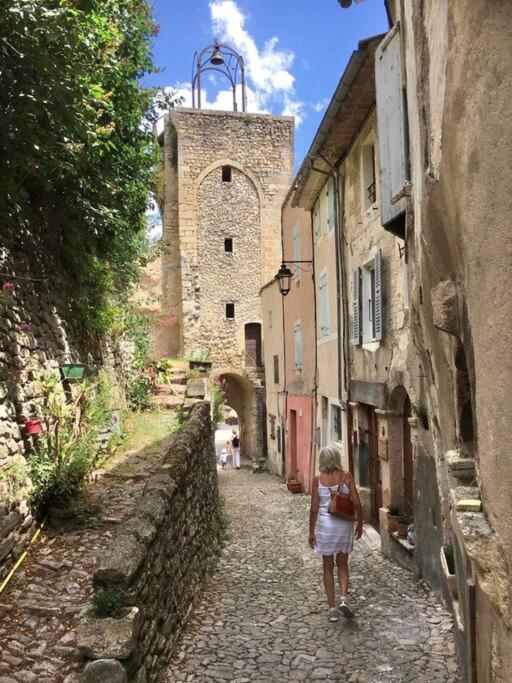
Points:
x=226 y=175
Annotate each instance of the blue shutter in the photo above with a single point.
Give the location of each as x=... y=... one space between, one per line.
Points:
x=356 y=306
x=378 y=295
x=331 y=218
x=317 y=221
x=324 y=305
x=391 y=125
x=298 y=347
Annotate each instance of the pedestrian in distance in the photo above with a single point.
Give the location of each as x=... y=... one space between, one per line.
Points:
x=223 y=458
x=330 y=536
x=235 y=445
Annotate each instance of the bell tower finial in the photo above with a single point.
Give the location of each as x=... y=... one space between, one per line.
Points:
x=225 y=60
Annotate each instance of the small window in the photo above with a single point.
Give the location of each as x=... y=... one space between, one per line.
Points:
x=226 y=174
x=276 y=369
x=228 y=245
x=368 y=175
x=230 y=311
x=272 y=419
x=335 y=423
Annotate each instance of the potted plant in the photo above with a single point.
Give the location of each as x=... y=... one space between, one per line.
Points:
x=421 y=412
x=293 y=485
x=448 y=566
x=33 y=426
x=72 y=371
x=402 y=525
x=394 y=515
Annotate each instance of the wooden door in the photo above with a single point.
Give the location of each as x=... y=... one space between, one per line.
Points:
x=252 y=345
x=292 y=442
x=408 y=462
x=375 y=470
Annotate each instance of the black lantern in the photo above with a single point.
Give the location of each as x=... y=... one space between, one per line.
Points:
x=284 y=279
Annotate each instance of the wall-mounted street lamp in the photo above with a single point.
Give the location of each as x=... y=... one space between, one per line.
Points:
x=284 y=276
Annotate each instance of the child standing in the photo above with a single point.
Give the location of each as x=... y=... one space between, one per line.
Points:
x=223 y=458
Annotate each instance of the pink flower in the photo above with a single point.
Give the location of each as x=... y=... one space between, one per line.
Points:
x=9 y=286
x=25 y=327
x=225 y=400
x=151 y=372
x=165 y=354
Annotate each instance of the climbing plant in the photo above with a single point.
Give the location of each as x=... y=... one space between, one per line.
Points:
x=77 y=153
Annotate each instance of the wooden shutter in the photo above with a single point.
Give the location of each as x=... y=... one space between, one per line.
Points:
x=298 y=347
x=324 y=305
x=356 y=306
x=391 y=125
x=317 y=220
x=378 y=295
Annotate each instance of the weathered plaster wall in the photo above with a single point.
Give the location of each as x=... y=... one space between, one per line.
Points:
x=36 y=336
x=160 y=556
x=462 y=236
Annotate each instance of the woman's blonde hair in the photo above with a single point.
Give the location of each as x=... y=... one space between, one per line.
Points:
x=330 y=458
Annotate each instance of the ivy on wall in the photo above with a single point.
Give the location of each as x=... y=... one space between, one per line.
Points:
x=76 y=163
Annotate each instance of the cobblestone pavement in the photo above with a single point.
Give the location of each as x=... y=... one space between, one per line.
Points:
x=263 y=616
x=39 y=608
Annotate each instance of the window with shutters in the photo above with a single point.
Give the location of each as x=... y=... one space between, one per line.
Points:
x=331 y=212
x=392 y=126
x=371 y=299
x=298 y=346
x=296 y=252
x=356 y=307
x=324 y=305
x=317 y=222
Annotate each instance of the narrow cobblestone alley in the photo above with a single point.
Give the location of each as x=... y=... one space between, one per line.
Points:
x=263 y=615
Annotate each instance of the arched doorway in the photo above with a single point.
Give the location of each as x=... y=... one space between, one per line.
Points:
x=252 y=345
x=248 y=401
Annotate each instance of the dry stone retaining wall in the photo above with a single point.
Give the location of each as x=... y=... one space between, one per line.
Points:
x=159 y=559
x=35 y=338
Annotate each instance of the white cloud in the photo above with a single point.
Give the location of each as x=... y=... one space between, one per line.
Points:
x=270 y=82
x=321 y=104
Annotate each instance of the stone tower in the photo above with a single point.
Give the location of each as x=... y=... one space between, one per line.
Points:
x=225 y=176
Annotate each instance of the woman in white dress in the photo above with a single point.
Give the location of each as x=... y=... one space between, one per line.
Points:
x=333 y=537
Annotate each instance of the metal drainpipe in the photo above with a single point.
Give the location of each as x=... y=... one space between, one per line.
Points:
x=339 y=301
x=285 y=390
x=314 y=406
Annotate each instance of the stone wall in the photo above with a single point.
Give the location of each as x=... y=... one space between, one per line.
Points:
x=159 y=559
x=36 y=336
x=200 y=210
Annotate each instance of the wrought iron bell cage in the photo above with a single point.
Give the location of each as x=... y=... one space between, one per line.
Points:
x=225 y=60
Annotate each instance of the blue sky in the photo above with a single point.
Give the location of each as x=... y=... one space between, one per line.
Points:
x=295 y=51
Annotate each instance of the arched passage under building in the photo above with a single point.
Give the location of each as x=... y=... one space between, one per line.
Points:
x=247 y=398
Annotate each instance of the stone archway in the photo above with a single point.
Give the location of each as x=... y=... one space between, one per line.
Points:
x=247 y=397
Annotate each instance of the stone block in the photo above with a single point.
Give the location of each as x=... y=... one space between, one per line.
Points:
x=104 y=671
x=9 y=523
x=109 y=638
x=196 y=389
x=122 y=560
x=153 y=506
x=445 y=307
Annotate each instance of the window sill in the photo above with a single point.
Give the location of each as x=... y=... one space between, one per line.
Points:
x=401 y=541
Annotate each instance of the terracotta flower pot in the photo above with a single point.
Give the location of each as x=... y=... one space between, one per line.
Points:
x=33 y=426
x=401 y=527
x=294 y=486
x=392 y=521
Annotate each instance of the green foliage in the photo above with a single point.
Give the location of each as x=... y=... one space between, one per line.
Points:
x=217 y=394
x=192 y=374
x=224 y=523
x=139 y=391
x=163 y=369
x=13 y=478
x=107 y=603
x=394 y=511
x=76 y=165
